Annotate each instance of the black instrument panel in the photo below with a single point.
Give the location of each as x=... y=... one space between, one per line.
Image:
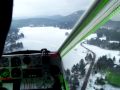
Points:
x=32 y=71
x=19 y=66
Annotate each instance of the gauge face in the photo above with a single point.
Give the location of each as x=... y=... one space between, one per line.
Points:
x=15 y=61
x=4 y=62
x=36 y=61
x=4 y=73
x=27 y=60
x=16 y=72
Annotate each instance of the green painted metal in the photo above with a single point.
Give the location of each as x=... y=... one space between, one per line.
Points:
x=64 y=82
x=102 y=23
x=91 y=15
x=66 y=85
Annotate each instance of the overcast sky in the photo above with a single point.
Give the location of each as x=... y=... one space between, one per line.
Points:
x=32 y=8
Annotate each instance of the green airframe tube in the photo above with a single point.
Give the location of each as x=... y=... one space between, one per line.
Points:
x=97 y=7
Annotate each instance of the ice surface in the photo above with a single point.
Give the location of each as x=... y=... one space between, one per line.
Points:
x=37 y=38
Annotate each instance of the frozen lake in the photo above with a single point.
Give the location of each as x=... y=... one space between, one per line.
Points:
x=37 y=38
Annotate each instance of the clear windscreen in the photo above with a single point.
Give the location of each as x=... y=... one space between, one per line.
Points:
x=41 y=24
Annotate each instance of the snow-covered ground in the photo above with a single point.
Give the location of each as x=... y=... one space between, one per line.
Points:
x=74 y=56
x=37 y=38
x=103 y=38
x=113 y=41
x=92 y=86
x=79 y=52
x=100 y=52
x=94 y=35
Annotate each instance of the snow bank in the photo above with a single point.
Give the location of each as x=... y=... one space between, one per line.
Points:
x=113 y=41
x=103 y=38
x=94 y=35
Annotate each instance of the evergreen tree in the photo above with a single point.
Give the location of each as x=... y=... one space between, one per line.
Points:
x=114 y=59
x=83 y=72
x=75 y=83
x=81 y=65
x=68 y=75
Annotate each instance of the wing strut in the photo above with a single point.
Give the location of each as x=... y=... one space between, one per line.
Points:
x=99 y=13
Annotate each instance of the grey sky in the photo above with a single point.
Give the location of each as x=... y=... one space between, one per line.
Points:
x=32 y=8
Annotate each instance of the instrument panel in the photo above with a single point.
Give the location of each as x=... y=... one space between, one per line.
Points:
x=31 y=71
x=21 y=66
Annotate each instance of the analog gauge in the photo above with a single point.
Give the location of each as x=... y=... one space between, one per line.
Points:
x=16 y=72
x=4 y=73
x=27 y=60
x=15 y=61
x=36 y=61
x=4 y=62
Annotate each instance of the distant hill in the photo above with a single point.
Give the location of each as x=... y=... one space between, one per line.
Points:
x=57 y=20
x=66 y=22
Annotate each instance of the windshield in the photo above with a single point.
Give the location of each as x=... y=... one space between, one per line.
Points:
x=41 y=24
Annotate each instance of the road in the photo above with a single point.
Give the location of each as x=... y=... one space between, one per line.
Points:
x=89 y=70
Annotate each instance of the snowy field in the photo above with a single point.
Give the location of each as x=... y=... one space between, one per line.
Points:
x=74 y=56
x=92 y=86
x=100 y=52
x=37 y=38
